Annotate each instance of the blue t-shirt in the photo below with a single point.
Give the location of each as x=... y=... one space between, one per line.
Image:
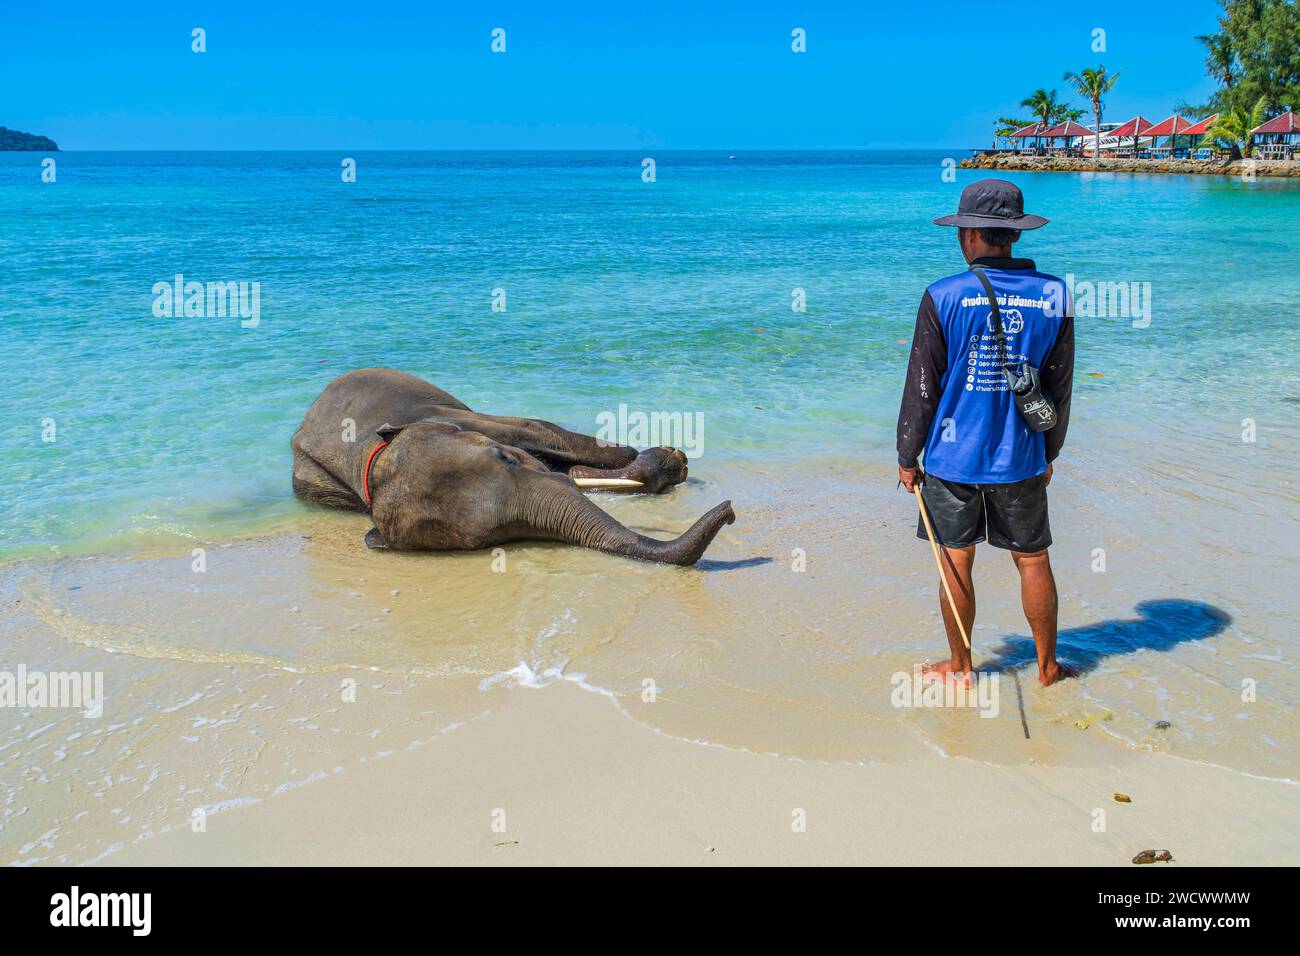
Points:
x=977 y=435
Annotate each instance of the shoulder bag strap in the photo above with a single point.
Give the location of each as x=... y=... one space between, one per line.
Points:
x=999 y=333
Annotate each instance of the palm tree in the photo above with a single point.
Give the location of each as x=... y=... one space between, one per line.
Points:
x=1219 y=57
x=1048 y=109
x=1233 y=127
x=1043 y=104
x=1092 y=85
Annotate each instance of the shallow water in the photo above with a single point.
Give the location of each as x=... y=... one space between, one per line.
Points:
x=226 y=686
x=617 y=291
x=229 y=684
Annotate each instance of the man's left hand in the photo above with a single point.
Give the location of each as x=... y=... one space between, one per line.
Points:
x=1047 y=475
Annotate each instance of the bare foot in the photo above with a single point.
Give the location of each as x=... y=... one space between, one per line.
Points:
x=948 y=671
x=1053 y=672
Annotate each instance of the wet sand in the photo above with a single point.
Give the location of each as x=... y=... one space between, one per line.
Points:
x=560 y=776
x=315 y=702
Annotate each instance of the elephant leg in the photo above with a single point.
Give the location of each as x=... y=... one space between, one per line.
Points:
x=581 y=456
x=557 y=446
x=584 y=457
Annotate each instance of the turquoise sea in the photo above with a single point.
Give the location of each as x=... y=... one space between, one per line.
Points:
x=673 y=295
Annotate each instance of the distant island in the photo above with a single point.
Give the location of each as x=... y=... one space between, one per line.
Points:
x=11 y=139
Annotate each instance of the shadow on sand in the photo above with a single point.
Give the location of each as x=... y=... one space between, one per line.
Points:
x=706 y=564
x=1160 y=626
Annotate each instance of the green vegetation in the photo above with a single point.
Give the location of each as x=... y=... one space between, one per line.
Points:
x=11 y=139
x=1046 y=109
x=1231 y=130
x=1255 y=56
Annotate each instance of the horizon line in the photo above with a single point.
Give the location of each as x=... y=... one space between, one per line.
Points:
x=480 y=149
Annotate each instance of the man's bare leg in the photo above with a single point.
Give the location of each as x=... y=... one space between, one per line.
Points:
x=958 y=564
x=1038 y=595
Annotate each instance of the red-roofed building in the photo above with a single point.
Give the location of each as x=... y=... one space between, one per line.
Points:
x=1032 y=131
x=1286 y=125
x=1173 y=127
x=1135 y=127
x=1277 y=135
x=1067 y=131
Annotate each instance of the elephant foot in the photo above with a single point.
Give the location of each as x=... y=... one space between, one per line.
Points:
x=653 y=471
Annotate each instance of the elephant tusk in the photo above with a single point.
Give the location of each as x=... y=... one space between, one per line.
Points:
x=608 y=483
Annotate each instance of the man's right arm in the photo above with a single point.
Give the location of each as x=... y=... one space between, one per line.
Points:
x=921 y=391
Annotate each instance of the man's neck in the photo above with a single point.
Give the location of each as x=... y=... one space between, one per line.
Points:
x=1002 y=262
x=989 y=252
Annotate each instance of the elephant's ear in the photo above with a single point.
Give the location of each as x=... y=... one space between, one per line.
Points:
x=375 y=541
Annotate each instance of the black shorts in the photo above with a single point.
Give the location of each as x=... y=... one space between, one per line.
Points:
x=1014 y=515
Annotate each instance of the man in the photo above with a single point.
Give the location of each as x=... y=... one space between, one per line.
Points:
x=986 y=471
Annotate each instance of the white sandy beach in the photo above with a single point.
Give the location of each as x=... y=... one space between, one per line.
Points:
x=560 y=776
x=320 y=703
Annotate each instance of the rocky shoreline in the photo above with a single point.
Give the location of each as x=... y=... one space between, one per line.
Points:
x=1193 y=167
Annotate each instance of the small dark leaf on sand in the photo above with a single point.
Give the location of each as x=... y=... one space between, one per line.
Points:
x=1162 y=725
x=1151 y=856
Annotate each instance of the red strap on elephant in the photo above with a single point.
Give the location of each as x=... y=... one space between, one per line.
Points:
x=365 y=476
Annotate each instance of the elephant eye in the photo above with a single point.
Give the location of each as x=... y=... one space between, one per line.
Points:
x=503 y=456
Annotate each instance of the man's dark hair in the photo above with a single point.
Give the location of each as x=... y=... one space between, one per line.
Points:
x=999 y=237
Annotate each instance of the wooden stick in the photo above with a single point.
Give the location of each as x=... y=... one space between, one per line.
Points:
x=925 y=516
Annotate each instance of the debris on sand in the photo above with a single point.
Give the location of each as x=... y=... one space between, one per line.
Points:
x=1151 y=856
x=1123 y=798
x=1087 y=720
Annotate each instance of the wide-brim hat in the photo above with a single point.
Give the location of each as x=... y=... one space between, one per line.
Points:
x=991 y=204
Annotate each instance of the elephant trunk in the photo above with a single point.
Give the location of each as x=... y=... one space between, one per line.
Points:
x=562 y=513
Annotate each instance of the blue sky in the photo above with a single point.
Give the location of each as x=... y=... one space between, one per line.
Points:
x=389 y=74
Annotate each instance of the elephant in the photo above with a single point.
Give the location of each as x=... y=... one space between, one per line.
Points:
x=436 y=475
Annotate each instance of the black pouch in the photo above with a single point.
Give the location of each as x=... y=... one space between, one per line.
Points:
x=1034 y=405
